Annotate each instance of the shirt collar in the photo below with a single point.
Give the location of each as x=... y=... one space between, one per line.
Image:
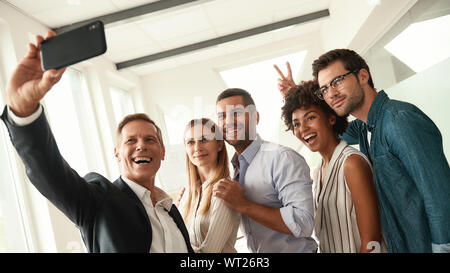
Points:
x=161 y=197
x=249 y=153
x=375 y=109
x=135 y=187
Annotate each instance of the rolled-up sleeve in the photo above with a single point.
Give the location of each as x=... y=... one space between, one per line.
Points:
x=294 y=185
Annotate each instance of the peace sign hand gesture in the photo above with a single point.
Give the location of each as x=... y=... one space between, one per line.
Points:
x=285 y=83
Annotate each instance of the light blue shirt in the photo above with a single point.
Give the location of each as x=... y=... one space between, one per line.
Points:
x=277 y=177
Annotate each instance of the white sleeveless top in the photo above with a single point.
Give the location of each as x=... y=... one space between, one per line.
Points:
x=335 y=217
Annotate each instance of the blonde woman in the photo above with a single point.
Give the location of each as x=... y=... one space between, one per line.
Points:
x=211 y=224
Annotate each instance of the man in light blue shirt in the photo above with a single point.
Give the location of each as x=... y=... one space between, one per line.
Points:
x=271 y=186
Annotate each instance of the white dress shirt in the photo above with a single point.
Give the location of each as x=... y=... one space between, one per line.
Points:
x=166 y=236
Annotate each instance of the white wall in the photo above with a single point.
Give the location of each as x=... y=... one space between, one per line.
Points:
x=430 y=91
x=199 y=84
x=358 y=24
x=50 y=230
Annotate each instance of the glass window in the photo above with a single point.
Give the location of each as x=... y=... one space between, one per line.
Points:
x=260 y=80
x=70 y=114
x=13 y=236
x=122 y=103
x=64 y=121
x=175 y=129
x=430 y=36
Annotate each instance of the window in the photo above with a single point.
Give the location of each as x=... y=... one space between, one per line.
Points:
x=430 y=36
x=70 y=114
x=175 y=129
x=64 y=121
x=122 y=103
x=13 y=236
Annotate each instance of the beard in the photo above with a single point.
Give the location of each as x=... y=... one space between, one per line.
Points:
x=354 y=102
x=244 y=137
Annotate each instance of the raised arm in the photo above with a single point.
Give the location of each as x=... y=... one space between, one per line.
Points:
x=285 y=83
x=29 y=83
x=35 y=144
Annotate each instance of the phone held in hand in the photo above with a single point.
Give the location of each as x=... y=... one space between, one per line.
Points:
x=73 y=46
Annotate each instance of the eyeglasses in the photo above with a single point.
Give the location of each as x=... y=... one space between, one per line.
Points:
x=336 y=84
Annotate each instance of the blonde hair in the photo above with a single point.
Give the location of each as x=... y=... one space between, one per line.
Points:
x=194 y=187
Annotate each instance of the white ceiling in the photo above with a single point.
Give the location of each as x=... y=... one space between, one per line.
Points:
x=178 y=27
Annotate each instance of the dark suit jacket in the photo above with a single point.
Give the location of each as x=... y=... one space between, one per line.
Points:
x=110 y=216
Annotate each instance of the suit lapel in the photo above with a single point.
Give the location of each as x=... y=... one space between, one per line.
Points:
x=129 y=192
x=175 y=214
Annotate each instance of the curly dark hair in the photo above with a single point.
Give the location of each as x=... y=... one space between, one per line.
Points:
x=303 y=96
x=351 y=60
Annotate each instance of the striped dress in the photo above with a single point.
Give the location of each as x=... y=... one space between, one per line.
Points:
x=335 y=218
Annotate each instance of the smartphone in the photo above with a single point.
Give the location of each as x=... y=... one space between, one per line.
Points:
x=73 y=46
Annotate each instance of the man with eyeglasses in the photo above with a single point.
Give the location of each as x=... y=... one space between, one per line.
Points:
x=411 y=172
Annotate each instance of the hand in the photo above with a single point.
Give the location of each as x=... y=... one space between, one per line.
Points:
x=180 y=195
x=232 y=193
x=29 y=83
x=285 y=83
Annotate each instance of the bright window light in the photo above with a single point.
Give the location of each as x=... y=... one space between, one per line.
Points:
x=64 y=121
x=175 y=129
x=424 y=44
x=260 y=80
x=122 y=103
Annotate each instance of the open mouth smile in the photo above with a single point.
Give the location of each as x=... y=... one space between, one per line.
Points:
x=310 y=138
x=142 y=160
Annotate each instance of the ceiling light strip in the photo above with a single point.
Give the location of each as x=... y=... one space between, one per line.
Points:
x=136 y=12
x=224 y=39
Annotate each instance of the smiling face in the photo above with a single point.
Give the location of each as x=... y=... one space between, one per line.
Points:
x=350 y=97
x=201 y=146
x=313 y=127
x=139 y=151
x=237 y=122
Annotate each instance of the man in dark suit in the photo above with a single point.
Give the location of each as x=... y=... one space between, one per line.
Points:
x=129 y=215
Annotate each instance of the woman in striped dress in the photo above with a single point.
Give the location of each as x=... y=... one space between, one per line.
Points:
x=345 y=201
x=211 y=224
